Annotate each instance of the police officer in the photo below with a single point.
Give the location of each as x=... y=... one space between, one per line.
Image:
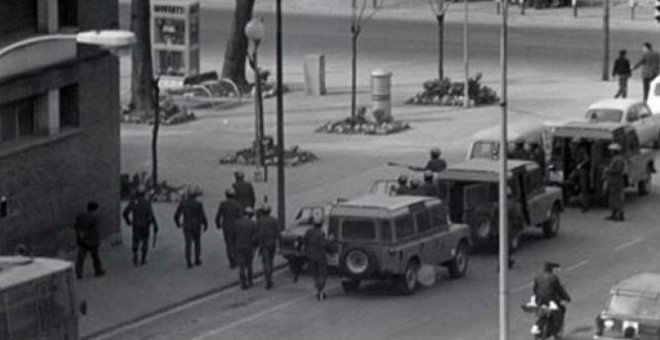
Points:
x=315 y=247
x=582 y=171
x=402 y=187
x=615 y=183
x=245 y=242
x=139 y=214
x=416 y=188
x=428 y=187
x=268 y=233
x=547 y=287
x=87 y=236
x=194 y=219
x=244 y=190
x=228 y=213
x=436 y=164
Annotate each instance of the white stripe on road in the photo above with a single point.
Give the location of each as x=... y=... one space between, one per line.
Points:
x=628 y=244
x=577 y=265
x=251 y=317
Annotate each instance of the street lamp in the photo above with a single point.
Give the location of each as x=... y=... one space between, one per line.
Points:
x=117 y=41
x=255 y=31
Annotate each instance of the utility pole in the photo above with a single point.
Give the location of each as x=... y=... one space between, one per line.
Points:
x=354 y=36
x=503 y=183
x=440 y=17
x=281 y=196
x=606 y=42
x=466 y=95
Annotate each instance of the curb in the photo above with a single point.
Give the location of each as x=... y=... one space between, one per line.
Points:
x=167 y=308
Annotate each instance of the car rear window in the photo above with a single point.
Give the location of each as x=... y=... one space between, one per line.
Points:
x=634 y=305
x=604 y=115
x=487 y=150
x=358 y=229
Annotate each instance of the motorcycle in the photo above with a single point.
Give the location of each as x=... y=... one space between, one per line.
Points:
x=549 y=319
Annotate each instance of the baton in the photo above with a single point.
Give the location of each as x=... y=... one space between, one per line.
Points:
x=153 y=244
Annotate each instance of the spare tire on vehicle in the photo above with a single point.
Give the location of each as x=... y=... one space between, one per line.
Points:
x=358 y=262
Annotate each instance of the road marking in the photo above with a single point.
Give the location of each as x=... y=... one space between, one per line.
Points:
x=577 y=265
x=252 y=317
x=523 y=287
x=628 y=244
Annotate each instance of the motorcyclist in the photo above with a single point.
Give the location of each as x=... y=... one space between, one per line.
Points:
x=547 y=289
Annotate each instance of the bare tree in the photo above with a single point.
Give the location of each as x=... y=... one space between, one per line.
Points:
x=439 y=8
x=237 y=45
x=361 y=15
x=141 y=71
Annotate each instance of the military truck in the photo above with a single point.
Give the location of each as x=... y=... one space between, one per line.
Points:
x=471 y=191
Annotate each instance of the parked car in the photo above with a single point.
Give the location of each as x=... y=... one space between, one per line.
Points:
x=485 y=143
x=632 y=310
x=596 y=138
x=384 y=237
x=291 y=238
x=653 y=101
x=471 y=191
x=628 y=111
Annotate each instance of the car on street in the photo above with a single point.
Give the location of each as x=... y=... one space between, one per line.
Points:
x=383 y=237
x=291 y=238
x=595 y=138
x=485 y=144
x=632 y=310
x=471 y=192
x=628 y=111
x=653 y=101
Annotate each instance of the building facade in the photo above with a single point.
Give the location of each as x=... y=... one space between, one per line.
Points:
x=59 y=124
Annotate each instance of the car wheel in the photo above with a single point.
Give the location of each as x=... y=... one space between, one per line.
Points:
x=350 y=286
x=483 y=227
x=459 y=264
x=358 y=263
x=551 y=226
x=407 y=283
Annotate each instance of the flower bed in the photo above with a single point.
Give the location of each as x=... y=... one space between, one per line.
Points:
x=379 y=125
x=446 y=92
x=248 y=156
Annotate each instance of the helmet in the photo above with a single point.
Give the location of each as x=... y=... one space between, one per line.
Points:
x=239 y=174
x=141 y=189
x=248 y=211
x=415 y=183
x=230 y=192
x=435 y=152
x=191 y=192
x=614 y=147
x=403 y=179
x=428 y=174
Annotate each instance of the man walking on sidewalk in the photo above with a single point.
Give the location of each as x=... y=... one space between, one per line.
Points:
x=194 y=219
x=268 y=232
x=622 y=72
x=87 y=236
x=229 y=212
x=244 y=190
x=245 y=242
x=650 y=63
x=139 y=214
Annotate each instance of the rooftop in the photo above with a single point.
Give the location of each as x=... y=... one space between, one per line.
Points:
x=482 y=169
x=619 y=104
x=385 y=202
x=17 y=270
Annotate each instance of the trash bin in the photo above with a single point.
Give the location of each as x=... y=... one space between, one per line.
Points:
x=381 y=86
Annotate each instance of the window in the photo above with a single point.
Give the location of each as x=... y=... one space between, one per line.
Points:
x=69 y=113
x=604 y=115
x=404 y=227
x=18 y=119
x=360 y=230
x=633 y=115
x=386 y=231
x=333 y=227
x=67 y=13
x=423 y=220
x=644 y=111
x=487 y=150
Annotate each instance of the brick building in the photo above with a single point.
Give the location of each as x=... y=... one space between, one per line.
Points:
x=59 y=124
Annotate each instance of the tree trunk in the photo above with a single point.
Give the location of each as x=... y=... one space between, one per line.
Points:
x=154 y=135
x=356 y=33
x=441 y=44
x=237 y=45
x=141 y=71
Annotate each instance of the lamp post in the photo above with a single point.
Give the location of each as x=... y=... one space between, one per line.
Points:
x=255 y=31
x=503 y=185
x=281 y=210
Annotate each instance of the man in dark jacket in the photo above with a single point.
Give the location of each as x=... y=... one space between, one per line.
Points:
x=315 y=247
x=87 y=236
x=615 y=183
x=402 y=185
x=139 y=214
x=244 y=190
x=416 y=188
x=229 y=212
x=622 y=71
x=268 y=233
x=245 y=242
x=650 y=64
x=547 y=287
x=428 y=187
x=194 y=219
x=581 y=176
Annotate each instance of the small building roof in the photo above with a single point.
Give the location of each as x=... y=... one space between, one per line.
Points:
x=17 y=270
x=622 y=104
x=482 y=170
x=647 y=284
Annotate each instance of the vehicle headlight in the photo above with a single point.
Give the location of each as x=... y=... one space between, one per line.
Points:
x=608 y=324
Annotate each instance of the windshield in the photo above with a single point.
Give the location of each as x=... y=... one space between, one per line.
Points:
x=358 y=230
x=487 y=150
x=634 y=305
x=604 y=115
x=306 y=215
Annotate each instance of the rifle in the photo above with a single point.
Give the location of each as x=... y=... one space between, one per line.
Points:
x=408 y=166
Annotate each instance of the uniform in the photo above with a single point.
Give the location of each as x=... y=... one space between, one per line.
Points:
x=436 y=165
x=229 y=212
x=194 y=218
x=139 y=214
x=582 y=170
x=268 y=232
x=244 y=193
x=402 y=189
x=245 y=242
x=615 y=183
x=87 y=236
x=429 y=189
x=547 y=287
x=315 y=249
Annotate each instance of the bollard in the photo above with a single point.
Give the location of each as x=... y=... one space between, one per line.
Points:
x=574 y=4
x=381 y=85
x=315 y=74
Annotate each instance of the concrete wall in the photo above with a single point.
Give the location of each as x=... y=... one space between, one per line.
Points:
x=48 y=180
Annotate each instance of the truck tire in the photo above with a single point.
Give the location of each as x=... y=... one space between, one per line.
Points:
x=407 y=283
x=459 y=264
x=358 y=263
x=551 y=226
